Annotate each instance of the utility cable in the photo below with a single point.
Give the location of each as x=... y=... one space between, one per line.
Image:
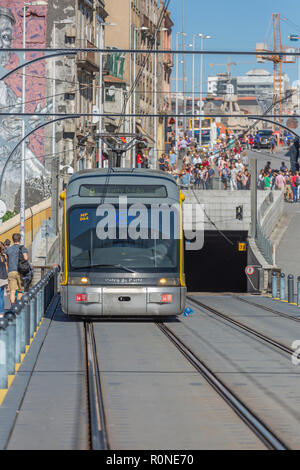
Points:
x=212 y=222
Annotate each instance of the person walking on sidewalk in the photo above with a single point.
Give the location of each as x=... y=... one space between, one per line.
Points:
x=3 y=277
x=295 y=184
x=13 y=254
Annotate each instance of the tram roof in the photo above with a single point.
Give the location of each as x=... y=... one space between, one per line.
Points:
x=121 y=171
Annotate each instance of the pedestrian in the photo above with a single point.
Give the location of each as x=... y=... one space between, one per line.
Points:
x=288 y=193
x=295 y=184
x=3 y=277
x=293 y=154
x=225 y=176
x=257 y=140
x=139 y=159
x=161 y=162
x=211 y=176
x=272 y=145
x=267 y=181
x=7 y=243
x=14 y=253
x=280 y=181
x=173 y=159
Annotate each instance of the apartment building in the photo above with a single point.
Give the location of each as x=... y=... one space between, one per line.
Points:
x=74 y=23
x=135 y=27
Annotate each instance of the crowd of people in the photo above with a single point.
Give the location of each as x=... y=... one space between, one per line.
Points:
x=229 y=165
x=16 y=273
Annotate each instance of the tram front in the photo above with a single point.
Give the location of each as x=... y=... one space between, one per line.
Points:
x=123 y=246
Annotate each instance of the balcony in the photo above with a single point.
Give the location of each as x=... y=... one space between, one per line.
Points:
x=88 y=61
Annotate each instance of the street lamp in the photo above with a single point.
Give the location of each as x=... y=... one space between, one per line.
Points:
x=193 y=82
x=54 y=161
x=202 y=36
x=101 y=46
x=155 y=96
x=177 y=90
x=22 y=195
x=136 y=29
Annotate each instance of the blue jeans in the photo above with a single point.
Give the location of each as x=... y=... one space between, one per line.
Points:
x=2 y=299
x=295 y=193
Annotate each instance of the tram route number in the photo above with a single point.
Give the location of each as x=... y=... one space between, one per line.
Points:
x=152 y=459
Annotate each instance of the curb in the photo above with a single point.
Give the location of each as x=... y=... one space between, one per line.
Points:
x=13 y=397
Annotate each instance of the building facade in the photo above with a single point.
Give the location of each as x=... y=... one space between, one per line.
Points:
x=256 y=82
x=144 y=25
x=75 y=23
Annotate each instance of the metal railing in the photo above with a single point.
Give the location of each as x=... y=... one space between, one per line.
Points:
x=19 y=324
x=263 y=243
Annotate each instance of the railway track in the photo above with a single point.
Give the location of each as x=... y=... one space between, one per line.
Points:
x=98 y=435
x=268 y=309
x=242 y=326
x=249 y=418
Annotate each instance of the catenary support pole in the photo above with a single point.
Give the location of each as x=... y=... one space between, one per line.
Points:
x=253 y=171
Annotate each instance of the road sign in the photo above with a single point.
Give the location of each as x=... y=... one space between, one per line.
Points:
x=250 y=270
x=242 y=246
x=2 y=209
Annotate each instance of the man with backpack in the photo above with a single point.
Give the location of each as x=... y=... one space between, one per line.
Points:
x=17 y=267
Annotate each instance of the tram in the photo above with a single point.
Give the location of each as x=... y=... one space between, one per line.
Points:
x=122 y=244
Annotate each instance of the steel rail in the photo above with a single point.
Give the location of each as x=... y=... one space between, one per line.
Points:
x=248 y=417
x=268 y=309
x=246 y=328
x=96 y=410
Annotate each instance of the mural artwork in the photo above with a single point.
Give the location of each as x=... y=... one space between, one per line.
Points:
x=11 y=35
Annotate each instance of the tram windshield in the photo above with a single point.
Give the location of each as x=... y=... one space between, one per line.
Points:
x=117 y=241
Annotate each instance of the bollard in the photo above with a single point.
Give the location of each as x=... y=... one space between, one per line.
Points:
x=274 y=286
x=11 y=342
x=282 y=287
x=291 y=296
x=16 y=309
x=3 y=354
x=43 y=300
x=298 y=291
x=26 y=309
x=34 y=300
x=31 y=313
x=23 y=327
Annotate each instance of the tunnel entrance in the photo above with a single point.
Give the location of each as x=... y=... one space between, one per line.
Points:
x=219 y=266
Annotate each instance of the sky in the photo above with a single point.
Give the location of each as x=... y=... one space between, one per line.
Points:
x=234 y=25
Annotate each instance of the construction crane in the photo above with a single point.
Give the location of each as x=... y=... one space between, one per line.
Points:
x=278 y=61
x=229 y=64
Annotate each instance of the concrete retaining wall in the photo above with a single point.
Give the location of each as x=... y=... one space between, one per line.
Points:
x=221 y=206
x=33 y=222
x=273 y=214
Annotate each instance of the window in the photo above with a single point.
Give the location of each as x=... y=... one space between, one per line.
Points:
x=109 y=97
x=150 y=254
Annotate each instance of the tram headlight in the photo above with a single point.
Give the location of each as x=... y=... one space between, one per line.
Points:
x=79 y=281
x=170 y=282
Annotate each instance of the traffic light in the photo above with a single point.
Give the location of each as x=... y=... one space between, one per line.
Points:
x=239 y=213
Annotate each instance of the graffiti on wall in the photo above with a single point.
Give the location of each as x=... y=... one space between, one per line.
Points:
x=11 y=36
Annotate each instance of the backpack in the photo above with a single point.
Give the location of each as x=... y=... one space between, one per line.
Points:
x=23 y=265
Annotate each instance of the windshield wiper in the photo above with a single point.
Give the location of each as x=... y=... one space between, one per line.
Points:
x=118 y=266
